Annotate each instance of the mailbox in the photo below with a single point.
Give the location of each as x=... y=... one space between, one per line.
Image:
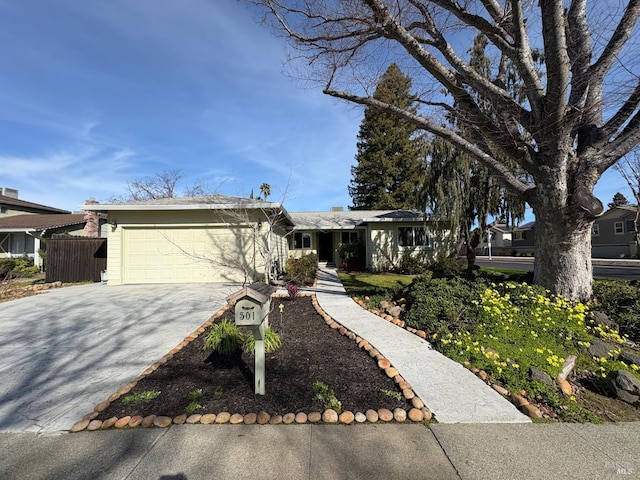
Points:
x=252 y=304
x=252 y=310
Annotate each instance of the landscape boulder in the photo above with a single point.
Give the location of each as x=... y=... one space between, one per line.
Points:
x=624 y=386
x=599 y=348
x=603 y=319
x=629 y=358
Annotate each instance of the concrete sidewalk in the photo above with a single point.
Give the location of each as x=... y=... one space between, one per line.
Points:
x=315 y=452
x=450 y=391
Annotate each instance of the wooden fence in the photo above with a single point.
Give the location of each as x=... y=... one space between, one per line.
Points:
x=75 y=259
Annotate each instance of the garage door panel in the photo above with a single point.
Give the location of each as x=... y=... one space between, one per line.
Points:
x=182 y=255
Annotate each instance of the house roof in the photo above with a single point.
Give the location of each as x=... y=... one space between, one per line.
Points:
x=500 y=227
x=619 y=211
x=526 y=226
x=16 y=202
x=208 y=202
x=345 y=220
x=27 y=222
x=219 y=202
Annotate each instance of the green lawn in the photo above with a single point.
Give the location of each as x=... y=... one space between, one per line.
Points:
x=363 y=280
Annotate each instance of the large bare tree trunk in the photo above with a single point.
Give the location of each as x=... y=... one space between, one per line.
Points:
x=563 y=256
x=565 y=210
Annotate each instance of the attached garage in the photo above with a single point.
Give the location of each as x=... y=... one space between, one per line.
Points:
x=185 y=254
x=194 y=240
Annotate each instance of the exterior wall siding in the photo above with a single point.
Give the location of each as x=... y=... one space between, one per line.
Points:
x=385 y=252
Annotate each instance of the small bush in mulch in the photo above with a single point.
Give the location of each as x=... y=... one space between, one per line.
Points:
x=310 y=352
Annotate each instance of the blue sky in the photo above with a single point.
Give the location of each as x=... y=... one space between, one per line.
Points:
x=94 y=94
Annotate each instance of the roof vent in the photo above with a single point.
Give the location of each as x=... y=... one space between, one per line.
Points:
x=337 y=209
x=9 y=192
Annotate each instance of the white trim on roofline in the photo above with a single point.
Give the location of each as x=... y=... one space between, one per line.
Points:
x=194 y=206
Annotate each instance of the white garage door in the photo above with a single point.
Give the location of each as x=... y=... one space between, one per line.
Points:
x=186 y=254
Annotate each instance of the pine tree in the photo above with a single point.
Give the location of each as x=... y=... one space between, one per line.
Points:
x=618 y=199
x=389 y=168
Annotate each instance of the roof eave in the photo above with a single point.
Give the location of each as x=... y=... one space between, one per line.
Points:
x=21 y=230
x=169 y=207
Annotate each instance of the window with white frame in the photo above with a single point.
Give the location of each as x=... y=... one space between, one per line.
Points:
x=301 y=240
x=595 y=230
x=618 y=228
x=413 y=237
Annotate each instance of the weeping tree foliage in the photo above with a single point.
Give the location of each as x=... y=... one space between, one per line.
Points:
x=389 y=168
x=462 y=190
x=564 y=123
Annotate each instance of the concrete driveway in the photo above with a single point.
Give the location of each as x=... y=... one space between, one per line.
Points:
x=64 y=351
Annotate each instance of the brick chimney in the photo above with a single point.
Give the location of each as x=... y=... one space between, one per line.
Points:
x=92 y=225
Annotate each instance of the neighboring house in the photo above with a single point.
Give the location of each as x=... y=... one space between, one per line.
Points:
x=25 y=235
x=24 y=224
x=384 y=236
x=613 y=234
x=11 y=205
x=215 y=238
x=501 y=235
x=522 y=238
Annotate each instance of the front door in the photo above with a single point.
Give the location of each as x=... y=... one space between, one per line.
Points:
x=325 y=247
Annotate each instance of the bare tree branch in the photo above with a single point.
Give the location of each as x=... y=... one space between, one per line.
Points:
x=501 y=172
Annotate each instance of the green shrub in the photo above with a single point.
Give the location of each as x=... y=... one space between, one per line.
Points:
x=195 y=394
x=326 y=397
x=6 y=267
x=620 y=300
x=192 y=407
x=446 y=267
x=385 y=393
x=145 y=396
x=224 y=338
x=271 y=341
x=441 y=304
x=412 y=264
x=18 y=268
x=351 y=250
x=302 y=270
x=24 y=268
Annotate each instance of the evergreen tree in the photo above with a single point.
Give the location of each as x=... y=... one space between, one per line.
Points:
x=389 y=168
x=618 y=199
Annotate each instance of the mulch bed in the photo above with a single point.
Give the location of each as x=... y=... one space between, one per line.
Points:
x=311 y=351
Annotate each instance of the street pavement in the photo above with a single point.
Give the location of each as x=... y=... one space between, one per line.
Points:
x=613 y=268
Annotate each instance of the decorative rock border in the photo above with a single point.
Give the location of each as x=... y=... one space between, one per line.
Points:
x=519 y=400
x=418 y=413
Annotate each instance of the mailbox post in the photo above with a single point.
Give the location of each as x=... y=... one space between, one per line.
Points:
x=252 y=310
